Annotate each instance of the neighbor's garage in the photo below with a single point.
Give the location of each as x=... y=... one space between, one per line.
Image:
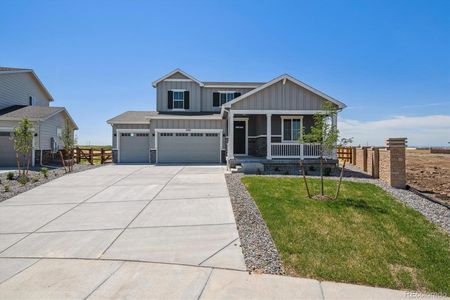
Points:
x=191 y=147
x=7 y=153
x=134 y=147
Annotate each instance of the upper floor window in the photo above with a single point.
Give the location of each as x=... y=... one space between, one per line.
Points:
x=291 y=128
x=178 y=100
x=220 y=98
x=31 y=101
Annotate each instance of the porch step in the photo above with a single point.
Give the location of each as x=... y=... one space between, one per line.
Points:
x=252 y=167
x=236 y=169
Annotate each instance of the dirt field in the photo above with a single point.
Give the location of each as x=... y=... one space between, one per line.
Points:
x=429 y=173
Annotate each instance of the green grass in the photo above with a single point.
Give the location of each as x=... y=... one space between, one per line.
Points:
x=363 y=237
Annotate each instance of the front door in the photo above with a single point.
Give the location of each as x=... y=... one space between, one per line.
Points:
x=239 y=137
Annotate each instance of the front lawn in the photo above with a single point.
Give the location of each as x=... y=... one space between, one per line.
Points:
x=364 y=237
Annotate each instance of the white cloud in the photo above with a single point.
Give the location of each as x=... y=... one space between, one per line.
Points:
x=432 y=130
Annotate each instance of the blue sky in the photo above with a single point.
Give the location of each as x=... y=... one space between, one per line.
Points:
x=389 y=61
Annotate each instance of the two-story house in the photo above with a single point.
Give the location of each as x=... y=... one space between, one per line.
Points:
x=204 y=121
x=22 y=95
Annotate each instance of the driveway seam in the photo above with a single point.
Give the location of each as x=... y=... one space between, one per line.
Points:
x=106 y=279
x=218 y=251
x=68 y=211
x=321 y=290
x=129 y=260
x=15 y=274
x=137 y=215
x=206 y=283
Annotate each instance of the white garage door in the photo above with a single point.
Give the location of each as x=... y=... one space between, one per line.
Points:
x=134 y=147
x=201 y=147
x=7 y=153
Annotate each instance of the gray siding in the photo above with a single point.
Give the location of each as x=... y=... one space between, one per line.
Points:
x=184 y=124
x=47 y=130
x=207 y=97
x=194 y=94
x=125 y=126
x=289 y=96
x=16 y=88
x=177 y=75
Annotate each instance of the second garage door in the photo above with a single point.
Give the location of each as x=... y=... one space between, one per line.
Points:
x=197 y=147
x=134 y=148
x=7 y=153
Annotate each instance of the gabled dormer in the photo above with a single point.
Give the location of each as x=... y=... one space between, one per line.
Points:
x=180 y=92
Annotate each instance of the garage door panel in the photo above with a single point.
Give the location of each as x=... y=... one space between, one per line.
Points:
x=189 y=147
x=7 y=153
x=134 y=147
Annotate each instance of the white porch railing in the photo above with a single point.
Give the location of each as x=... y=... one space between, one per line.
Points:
x=296 y=150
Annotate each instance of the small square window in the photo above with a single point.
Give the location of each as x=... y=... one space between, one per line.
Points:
x=178 y=99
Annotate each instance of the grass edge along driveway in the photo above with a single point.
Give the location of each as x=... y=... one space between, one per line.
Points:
x=364 y=237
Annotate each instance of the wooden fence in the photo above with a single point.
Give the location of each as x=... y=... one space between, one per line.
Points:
x=92 y=155
x=344 y=154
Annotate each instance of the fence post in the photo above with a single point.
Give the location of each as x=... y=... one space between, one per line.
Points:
x=392 y=162
x=102 y=157
x=91 y=156
x=78 y=156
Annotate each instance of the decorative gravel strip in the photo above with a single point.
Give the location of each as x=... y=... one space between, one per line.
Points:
x=16 y=188
x=259 y=249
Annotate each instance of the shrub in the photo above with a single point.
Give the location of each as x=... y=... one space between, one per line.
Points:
x=22 y=180
x=327 y=171
x=10 y=175
x=44 y=172
x=311 y=168
x=286 y=172
x=7 y=189
x=35 y=179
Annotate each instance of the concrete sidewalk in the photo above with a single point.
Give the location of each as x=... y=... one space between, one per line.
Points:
x=139 y=232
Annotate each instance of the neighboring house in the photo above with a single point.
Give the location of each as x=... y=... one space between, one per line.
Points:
x=201 y=121
x=22 y=95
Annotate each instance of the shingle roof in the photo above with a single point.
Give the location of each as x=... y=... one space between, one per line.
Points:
x=132 y=117
x=8 y=69
x=18 y=112
x=235 y=83
x=33 y=113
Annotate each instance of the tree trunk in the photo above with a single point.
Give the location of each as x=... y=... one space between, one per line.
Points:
x=304 y=178
x=18 y=162
x=340 y=181
x=28 y=163
x=321 y=175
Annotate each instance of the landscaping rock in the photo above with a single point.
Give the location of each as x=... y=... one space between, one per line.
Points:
x=260 y=252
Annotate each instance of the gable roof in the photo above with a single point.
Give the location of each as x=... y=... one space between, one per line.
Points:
x=292 y=79
x=132 y=117
x=33 y=113
x=154 y=83
x=8 y=70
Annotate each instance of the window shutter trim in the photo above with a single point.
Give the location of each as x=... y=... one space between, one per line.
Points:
x=170 y=100
x=186 y=99
x=216 y=100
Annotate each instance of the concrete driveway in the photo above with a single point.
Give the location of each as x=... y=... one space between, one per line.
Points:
x=135 y=232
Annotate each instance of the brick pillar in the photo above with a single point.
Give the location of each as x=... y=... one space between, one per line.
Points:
x=361 y=158
x=373 y=157
x=354 y=155
x=392 y=166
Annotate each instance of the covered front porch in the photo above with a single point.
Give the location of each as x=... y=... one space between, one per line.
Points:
x=267 y=136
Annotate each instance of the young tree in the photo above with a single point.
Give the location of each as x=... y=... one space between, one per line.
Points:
x=325 y=134
x=68 y=140
x=23 y=145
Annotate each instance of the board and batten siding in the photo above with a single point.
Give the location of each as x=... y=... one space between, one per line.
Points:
x=125 y=126
x=16 y=88
x=184 y=124
x=48 y=130
x=279 y=96
x=207 y=97
x=162 y=94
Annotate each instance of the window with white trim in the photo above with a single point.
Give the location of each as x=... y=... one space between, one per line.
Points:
x=225 y=97
x=292 y=128
x=178 y=99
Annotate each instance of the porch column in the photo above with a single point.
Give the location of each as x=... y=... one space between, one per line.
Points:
x=334 y=125
x=230 y=135
x=269 y=136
